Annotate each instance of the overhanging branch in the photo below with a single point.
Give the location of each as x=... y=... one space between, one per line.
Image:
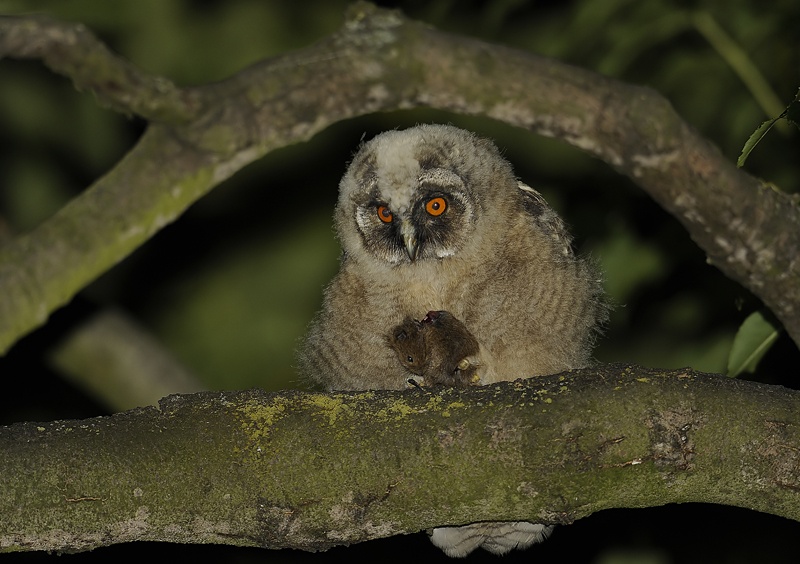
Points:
x=379 y=60
x=72 y=50
x=311 y=471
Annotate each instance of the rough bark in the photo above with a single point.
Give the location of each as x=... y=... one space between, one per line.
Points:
x=310 y=471
x=313 y=470
x=379 y=60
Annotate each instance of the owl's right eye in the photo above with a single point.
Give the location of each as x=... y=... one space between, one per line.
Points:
x=385 y=214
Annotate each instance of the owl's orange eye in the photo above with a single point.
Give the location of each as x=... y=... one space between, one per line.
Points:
x=385 y=214
x=436 y=206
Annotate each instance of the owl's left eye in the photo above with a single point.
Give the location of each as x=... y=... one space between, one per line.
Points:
x=436 y=206
x=385 y=214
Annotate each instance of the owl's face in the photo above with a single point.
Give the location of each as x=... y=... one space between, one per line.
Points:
x=416 y=195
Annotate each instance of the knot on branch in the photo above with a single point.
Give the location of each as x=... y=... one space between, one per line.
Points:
x=369 y=25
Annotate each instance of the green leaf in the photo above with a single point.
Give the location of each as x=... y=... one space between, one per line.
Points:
x=754 y=338
x=790 y=114
x=753 y=140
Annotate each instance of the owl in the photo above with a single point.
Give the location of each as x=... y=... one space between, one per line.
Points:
x=438 y=349
x=432 y=218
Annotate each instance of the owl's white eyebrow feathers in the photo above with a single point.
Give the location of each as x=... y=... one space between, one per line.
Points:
x=397 y=168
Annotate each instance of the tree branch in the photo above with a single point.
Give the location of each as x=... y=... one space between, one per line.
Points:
x=119 y=363
x=72 y=50
x=379 y=60
x=310 y=471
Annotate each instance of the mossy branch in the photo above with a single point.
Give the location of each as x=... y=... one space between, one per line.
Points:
x=379 y=60
x=310 y=471
x=72 y=50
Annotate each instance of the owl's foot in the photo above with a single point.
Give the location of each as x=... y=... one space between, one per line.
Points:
x=416 y=382
x=468 y=371
x=496 y=537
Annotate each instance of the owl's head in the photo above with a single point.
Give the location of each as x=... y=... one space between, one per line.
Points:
x=419 y=194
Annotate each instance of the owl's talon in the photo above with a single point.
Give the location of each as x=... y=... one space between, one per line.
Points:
x=413 y=382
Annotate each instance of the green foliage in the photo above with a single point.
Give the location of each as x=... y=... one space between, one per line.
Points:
x=791 y=114
x=242 y=310
x=753 y=340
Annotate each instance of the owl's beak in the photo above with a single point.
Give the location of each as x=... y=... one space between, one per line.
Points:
x=409 y=238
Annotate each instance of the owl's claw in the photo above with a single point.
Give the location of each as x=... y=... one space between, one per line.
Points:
x=415 y=383
x=430 y=317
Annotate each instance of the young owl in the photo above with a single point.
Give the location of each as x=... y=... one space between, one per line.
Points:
x=438 y=349
x=432 y=218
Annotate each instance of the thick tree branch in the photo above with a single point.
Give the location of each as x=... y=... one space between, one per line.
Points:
x=311 y=471
x=378 y=61
x=72 y=50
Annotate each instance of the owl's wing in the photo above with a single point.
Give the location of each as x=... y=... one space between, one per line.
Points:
x=547 y=219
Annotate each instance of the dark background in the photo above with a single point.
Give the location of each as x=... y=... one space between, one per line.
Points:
x=230 y=286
